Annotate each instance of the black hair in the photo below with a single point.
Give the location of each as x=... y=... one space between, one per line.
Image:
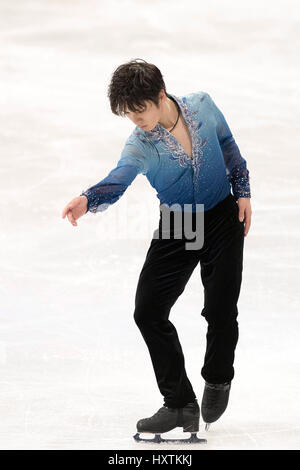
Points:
x=132 y=84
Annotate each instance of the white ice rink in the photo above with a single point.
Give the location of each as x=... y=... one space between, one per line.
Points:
x=75 y=372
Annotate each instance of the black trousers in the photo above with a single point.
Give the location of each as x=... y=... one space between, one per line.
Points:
x=166 y=270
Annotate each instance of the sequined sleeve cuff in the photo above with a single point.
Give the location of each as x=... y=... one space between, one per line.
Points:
x=239 y=179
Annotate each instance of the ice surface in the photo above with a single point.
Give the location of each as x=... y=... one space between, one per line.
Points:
x=75 y=372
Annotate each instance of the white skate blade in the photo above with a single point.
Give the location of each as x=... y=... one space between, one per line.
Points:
x=193 y=439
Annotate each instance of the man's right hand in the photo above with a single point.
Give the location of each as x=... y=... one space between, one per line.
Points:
x=75 y=209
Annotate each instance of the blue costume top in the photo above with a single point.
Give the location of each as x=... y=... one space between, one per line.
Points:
x=207 y=178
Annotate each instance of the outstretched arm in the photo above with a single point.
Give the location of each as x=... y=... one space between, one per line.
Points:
x=98 y=197
x=112 y=187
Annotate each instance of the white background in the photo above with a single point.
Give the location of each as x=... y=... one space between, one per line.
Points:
x=75 y=372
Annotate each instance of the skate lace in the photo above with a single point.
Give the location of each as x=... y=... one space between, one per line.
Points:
x=211 y=399
x=160 y=411
x=215 y=391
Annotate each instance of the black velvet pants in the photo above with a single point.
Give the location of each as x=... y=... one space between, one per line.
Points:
x=166 y=270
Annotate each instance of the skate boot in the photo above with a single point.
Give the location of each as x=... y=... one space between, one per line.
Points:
x=166 y=419
x=214 y=402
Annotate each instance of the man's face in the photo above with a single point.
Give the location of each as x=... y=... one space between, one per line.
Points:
x=146 y=119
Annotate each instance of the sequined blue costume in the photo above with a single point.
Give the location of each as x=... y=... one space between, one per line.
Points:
x=207 y=178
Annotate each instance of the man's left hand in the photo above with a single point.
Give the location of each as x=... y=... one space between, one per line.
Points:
x=245 y=212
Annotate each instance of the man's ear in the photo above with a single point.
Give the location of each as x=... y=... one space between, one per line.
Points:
x=162 y=95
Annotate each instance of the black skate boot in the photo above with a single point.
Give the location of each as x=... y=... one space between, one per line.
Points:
x=214 y=402
x=166 y=419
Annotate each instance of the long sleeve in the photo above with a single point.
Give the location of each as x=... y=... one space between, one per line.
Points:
x=112 y=187
x=236 y=165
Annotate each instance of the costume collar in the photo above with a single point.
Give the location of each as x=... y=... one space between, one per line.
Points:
x=159 y=131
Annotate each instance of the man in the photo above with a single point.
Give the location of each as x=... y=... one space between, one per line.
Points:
x=184 y=147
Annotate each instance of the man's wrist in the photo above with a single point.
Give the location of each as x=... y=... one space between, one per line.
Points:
x=87 y=208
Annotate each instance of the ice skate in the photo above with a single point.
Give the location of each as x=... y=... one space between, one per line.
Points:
x=166 y=419
x=214 y=402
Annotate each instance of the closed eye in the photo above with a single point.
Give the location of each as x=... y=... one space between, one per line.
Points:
x=137 y=112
